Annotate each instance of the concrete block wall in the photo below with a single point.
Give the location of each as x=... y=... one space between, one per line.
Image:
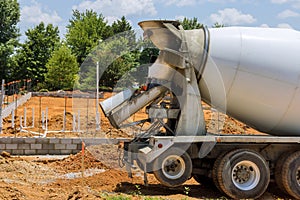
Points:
x=49 y=146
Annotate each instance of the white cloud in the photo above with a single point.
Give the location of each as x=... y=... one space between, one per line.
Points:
x=287 y=13
x=112 y=19
x=179 y=17
x=294 y=3
x=221 y=1
x=284 y=25
x=180 y=3
x=279 y=1
x=36 y=14
x=119 y=8
x=265 y=26
x=186 y=3
x=231 y=16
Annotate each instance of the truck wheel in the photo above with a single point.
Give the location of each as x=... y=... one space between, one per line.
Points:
x=214 y=173
x=278 y=171
x=291 y=175
x=243 y=174
x=173 y=167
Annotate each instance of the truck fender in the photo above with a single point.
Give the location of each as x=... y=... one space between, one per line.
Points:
x=159 y=147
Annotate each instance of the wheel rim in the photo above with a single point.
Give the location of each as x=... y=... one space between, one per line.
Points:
x=298 y=176
x=245 y=175
x=173 y=167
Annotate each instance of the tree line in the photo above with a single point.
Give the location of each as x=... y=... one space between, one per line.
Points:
x=53 y=63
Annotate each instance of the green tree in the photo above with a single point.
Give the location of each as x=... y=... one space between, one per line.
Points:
x=92 y=40
x=121 y=26
x=85 y=31
x=62 y=70
x=149 y=52
x=119 y=71
x=189 y=24
x=146 y=56
x=217 y=25
x=115 y=57
x=9 y=17
x=35 y=52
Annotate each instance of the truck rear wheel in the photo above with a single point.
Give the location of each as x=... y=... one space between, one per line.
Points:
x=243 y=174
x=215 y=171
x=173 y=167
x=290 y=175
x=278 y=171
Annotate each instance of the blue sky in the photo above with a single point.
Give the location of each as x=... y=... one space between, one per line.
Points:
x=265 y=13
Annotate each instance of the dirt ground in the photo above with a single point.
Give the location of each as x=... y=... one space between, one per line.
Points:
x=86 y=177
x=84 y=111
x=94 y=173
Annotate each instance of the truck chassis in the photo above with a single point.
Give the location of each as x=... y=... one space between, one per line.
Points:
x=240 y=166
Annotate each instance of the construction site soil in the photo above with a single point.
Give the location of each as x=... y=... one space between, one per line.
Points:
x=95 y=172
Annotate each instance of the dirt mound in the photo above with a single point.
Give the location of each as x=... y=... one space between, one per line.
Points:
x=10 y=192
x=106 y=181
x=108 y=154
x=75 y=163
x=56 y=122
x=25 y=172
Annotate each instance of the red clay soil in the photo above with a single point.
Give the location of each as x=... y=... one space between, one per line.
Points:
x=49 y=178
x=56 y=107
x=41 y=178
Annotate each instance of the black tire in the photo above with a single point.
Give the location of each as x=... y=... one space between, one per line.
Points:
x=278 y=171
x=214 y=173
x=243 y=174
x=173 y=167
x=291 y=175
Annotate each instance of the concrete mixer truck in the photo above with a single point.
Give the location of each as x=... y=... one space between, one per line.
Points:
x=251 y=74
